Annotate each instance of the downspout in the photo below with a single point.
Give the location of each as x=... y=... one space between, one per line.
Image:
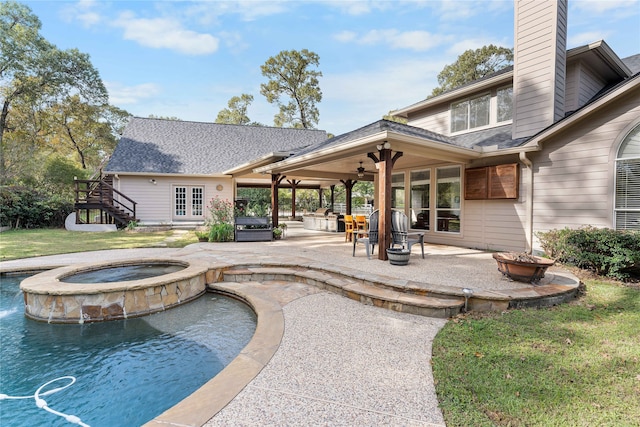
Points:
x=528 y=229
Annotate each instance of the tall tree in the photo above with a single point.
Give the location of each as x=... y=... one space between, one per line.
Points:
x=32 y=70
x=236 y=114
x=473 y=65
x=88 y=130
x=290 y=77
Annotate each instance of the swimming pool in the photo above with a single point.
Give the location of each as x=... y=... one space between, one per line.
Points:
x=127 y=371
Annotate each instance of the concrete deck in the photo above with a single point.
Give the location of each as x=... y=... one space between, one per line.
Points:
x=318 y=358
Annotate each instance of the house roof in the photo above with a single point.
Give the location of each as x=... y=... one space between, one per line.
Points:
x=196 y=148
x=633 y=63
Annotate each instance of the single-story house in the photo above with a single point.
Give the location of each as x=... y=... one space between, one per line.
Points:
x=552 y=142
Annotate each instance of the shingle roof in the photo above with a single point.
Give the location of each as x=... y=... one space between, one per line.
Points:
x=372 y=129
x=172 y=146
x=633 y=62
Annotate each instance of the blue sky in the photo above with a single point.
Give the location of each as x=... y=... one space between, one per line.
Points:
x=187 y=59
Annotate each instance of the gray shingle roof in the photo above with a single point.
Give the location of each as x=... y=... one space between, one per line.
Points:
x=633 y=62
x=172 y=146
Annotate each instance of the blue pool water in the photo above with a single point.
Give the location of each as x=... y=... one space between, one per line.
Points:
x=123 y=273
x=127 y=372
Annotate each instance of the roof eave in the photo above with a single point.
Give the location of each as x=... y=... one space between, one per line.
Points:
x=248 y=167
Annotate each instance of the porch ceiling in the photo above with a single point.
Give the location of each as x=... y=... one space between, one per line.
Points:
x=330 y=165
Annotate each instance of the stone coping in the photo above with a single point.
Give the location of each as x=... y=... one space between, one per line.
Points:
x=208 y=400
x=49 y=282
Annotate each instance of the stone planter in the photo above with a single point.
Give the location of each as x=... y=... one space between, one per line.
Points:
x=398 y=256
x=522 y=267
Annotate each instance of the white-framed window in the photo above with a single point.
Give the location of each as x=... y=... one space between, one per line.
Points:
x=397 y=191
x=470 y=113
x=627 y=203
x=504 y=99
x=448 y=188
x=188 y=201
x=420 y=194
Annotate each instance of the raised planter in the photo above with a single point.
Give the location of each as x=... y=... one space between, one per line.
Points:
x=398 y=256
x=522 y=267
x=253 y=229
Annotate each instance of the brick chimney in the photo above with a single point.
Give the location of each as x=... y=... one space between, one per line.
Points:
x=540 y=39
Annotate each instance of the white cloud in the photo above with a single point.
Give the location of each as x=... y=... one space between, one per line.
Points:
x=462 y=46
x=165 y=33
x=412 y=40
x=585 y=38
x=82 y=11
x=130 y=95
x=361 y=97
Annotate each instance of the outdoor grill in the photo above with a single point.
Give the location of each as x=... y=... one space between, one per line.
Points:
x=323 y=220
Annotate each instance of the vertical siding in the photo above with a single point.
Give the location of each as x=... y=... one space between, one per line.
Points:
x=155 y=201
x=574 y=173
x=539 y=65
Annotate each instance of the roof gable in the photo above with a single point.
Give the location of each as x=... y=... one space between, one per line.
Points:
x=196 y=148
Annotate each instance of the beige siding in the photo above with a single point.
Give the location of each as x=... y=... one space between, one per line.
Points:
x=574 y=173
x=434 y=119
x=539 y=65
x=582 y=85
x=155 y=201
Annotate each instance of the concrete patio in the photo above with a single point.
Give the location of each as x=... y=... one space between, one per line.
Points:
x=318 y=358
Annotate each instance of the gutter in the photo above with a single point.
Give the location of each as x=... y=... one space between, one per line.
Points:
x=528 y=229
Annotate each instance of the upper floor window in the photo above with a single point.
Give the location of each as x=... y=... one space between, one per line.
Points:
x=480 y=111
x=505 y=103
x=470 y=113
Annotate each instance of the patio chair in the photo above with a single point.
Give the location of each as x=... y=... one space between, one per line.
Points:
x=370 y=239
x=400 y=234
x=348 y=228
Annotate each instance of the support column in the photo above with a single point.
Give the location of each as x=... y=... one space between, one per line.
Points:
x=333 y=189
x=276 y=179
x=348 y=185
x=385 y=169
x=320 y=194
x=293 y=183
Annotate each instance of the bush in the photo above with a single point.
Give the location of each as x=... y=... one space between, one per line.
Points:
x=27 y=208
x=605 y=251
x=221 y=232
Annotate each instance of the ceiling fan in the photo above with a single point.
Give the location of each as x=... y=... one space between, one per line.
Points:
x=361 y=171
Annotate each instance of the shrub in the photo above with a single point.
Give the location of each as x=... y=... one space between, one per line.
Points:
x=221 y=232
x=28 y=208
x=605 y=251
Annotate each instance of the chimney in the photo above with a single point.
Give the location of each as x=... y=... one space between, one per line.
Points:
x=539 y=63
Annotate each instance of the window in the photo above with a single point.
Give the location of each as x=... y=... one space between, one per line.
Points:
x=188 y=201
x=196 y=201
x=470 y=113
x=505 y=104
x=397 y=191
x=181 y=201
x=420 y=192
x=627 y=204
x=448 y=199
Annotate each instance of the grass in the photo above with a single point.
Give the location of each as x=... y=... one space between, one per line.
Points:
x=15 y=244
x=577 y=364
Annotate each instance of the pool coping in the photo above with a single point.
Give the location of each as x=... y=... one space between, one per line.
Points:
x=199 y=407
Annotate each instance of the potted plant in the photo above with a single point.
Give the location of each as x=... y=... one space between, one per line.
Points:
x=277 y=233
x=522 y=267
x=398 y=256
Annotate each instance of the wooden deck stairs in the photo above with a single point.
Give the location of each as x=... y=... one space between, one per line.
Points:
x=98 y=202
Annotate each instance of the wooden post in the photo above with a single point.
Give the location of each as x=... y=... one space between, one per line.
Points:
x=276 y=179
x=333 y=189
x=293 y=183
x=348 y=185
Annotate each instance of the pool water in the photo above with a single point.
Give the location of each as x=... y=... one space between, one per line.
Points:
x=127 y=372
x=123 y=273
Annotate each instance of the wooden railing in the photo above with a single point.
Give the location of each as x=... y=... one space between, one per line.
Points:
x=100 y=194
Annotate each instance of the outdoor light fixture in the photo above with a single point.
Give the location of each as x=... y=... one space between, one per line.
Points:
x=386 y=145
x=360 y=171
x=467 y=294
x=153 y=181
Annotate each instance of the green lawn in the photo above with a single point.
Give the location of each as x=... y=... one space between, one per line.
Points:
x=16 y=244
x=577 y=364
